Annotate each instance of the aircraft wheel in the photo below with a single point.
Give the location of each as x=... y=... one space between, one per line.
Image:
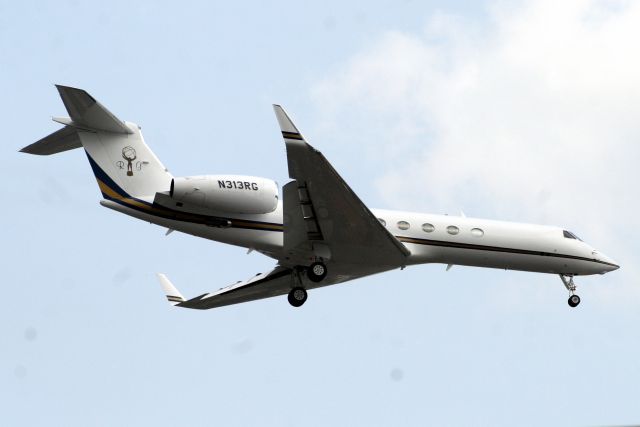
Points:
x=316 y=272
x=574 y=300
x=297 y=297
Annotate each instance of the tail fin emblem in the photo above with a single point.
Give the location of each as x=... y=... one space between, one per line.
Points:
x=129 y=154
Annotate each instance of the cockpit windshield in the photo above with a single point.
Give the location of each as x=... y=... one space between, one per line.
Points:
x=570 y=235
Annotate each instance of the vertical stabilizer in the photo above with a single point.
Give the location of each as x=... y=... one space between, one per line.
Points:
x=123 y=164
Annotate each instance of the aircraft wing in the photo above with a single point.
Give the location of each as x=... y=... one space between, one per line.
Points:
x=323 y=216
x=278 y=281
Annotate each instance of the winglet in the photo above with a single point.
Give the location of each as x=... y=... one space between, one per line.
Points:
x=289 y=131
x=173 y=295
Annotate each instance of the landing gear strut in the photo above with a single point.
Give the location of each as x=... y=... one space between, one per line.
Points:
x=574 y=299
x=297 y=296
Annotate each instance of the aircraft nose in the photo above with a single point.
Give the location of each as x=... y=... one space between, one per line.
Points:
x=607 y=263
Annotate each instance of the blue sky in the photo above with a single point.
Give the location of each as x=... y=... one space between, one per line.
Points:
x=523 y=111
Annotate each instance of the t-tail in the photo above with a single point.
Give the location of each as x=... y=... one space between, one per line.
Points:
x=126 y=169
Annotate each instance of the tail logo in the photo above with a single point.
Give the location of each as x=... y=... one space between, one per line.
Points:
x=129 y=154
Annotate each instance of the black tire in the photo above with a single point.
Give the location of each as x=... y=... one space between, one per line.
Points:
x=297 y=296
x=316 y=272
x=574 y=300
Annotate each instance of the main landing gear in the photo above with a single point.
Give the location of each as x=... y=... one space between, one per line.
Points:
x=316 y=272
x=297 y=296
x=574 y=299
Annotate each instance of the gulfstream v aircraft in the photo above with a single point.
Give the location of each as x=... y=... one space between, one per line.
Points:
x=318 y=231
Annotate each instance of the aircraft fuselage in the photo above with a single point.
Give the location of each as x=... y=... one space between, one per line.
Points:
x=431 y=238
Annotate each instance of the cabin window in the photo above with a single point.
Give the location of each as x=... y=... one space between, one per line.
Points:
x=403 y=225
x=570 y=235
x=452 y=229
x=382 y=221
x=428 y=228
x=477 y=232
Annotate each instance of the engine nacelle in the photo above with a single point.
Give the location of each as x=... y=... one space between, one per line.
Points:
x=227 y=193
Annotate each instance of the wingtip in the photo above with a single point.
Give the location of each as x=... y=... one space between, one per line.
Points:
x=286 y=124
x=173 y=295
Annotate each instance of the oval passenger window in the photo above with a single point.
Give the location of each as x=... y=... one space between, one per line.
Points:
x=428 y=228
x=403 y=225
x=477 y=232
x=382 y=221
x=452 y=229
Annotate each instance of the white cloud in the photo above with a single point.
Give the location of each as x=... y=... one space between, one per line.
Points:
x=533 y=117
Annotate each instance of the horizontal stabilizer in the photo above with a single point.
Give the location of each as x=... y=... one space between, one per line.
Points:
x=86 y=112
x=173 y=295
x=62 y=140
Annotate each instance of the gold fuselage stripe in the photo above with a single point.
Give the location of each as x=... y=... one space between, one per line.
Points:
x=182 y=216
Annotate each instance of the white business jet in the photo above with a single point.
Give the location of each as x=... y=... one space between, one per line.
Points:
x=319 y=231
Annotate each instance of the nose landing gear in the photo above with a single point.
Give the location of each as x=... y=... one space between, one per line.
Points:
x=574 y=299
